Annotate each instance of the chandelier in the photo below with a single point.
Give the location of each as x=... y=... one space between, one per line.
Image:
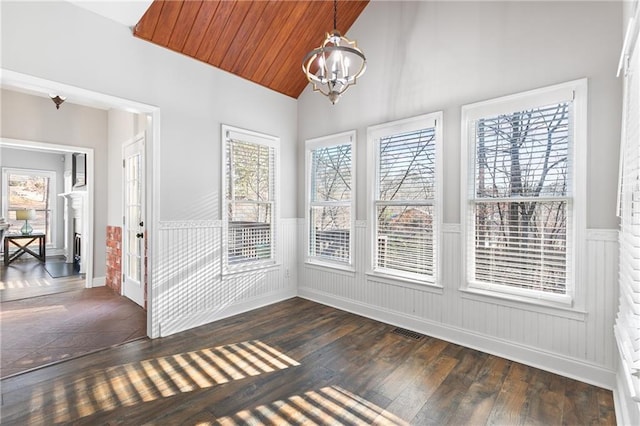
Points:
x=336 y=65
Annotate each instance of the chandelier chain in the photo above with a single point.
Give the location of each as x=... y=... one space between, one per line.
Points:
x=335 y=14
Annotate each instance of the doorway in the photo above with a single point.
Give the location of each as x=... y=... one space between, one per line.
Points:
x=85 y=214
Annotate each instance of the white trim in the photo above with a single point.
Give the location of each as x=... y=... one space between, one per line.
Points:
x=399 y=281
x=630 y=38
x=189 y=224
x=344 y=138
x=627 y=410
x=523 y=303
x=272 y=142
x=374 y=134
x=566 y=366
x=521 y=101
x=576 y=90
x=100 y=100
x=329 y=267
x=99 y=282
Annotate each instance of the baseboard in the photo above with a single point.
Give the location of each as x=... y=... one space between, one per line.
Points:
x=555 y=363
x=99 y=282
x=55 y=252
x=627 y=410
x=177 y=325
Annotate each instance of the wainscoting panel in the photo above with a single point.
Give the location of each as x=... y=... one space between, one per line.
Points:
x=576 y=342
x=189 y=288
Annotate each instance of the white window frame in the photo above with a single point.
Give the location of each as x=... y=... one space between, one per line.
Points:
x=6 y=171
x=575 y=91
x=268 y=141
x=345 y=138
x=374 y=134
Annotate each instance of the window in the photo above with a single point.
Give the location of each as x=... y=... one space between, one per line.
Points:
x=30 y=189
x=405 y=210
x=522 y=201
x=250 y=208
x=627 y=327
x=330 y=208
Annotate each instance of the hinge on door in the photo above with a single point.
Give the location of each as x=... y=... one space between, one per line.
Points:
x=123 y=221
x=123 y=163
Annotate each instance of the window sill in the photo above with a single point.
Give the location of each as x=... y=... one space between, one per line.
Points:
x=405 y=282
x=323 y=266
x=523 y=303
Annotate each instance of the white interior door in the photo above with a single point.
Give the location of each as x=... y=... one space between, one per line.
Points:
x=133 y=232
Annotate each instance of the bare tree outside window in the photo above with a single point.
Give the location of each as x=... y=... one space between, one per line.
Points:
x=30 y=191
x=405 y=202
x=249 y=194
x=521 y=198
x=330 y=203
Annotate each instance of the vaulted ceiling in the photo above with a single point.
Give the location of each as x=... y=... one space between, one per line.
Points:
x=263 y=41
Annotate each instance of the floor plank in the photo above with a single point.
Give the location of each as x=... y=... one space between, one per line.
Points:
x=44 y=320
x=298 y=362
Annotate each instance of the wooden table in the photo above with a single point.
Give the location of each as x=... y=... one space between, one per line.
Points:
x=18 y=240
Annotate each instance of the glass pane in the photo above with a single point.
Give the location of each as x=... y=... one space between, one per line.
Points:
x=407 y=166
x=249 y=231
x=524 y=153
x=330 y=233
x=405 y=238
x=331 y=173
x=249 y=171
x=522 y=244
x=27 y=191
x=132 y=242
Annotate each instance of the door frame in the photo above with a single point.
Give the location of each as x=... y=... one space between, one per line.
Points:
x=88 y=211
x=37 y=86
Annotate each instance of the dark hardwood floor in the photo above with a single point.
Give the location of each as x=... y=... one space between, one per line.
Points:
x=44 y=320
x=27 y=277
x=298 y=362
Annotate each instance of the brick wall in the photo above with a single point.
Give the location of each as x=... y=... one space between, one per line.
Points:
x=114 y=258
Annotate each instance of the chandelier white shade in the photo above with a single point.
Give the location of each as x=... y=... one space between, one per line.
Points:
x=334 y=66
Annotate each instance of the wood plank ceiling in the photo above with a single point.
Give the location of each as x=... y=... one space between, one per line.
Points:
x=263 y=41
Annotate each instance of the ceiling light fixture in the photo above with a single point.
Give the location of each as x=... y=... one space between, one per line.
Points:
x=58 y=100
x=336 y=65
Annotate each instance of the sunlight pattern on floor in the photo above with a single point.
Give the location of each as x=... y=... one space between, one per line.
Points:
x=135 y=383
x=30 y=283
x=329 y=405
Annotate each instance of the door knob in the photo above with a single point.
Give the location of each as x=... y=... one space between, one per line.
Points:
x=139 y=235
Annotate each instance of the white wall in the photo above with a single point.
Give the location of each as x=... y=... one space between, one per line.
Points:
x=35 y=160
x=61 y=42
x=34 y=118
x=429 y=56
x=123 y=126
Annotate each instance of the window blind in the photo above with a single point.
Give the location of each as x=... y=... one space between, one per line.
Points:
x=250 y=177
x=521 y=198
x=330 y=204
x=627 y=327
x=404 y=204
